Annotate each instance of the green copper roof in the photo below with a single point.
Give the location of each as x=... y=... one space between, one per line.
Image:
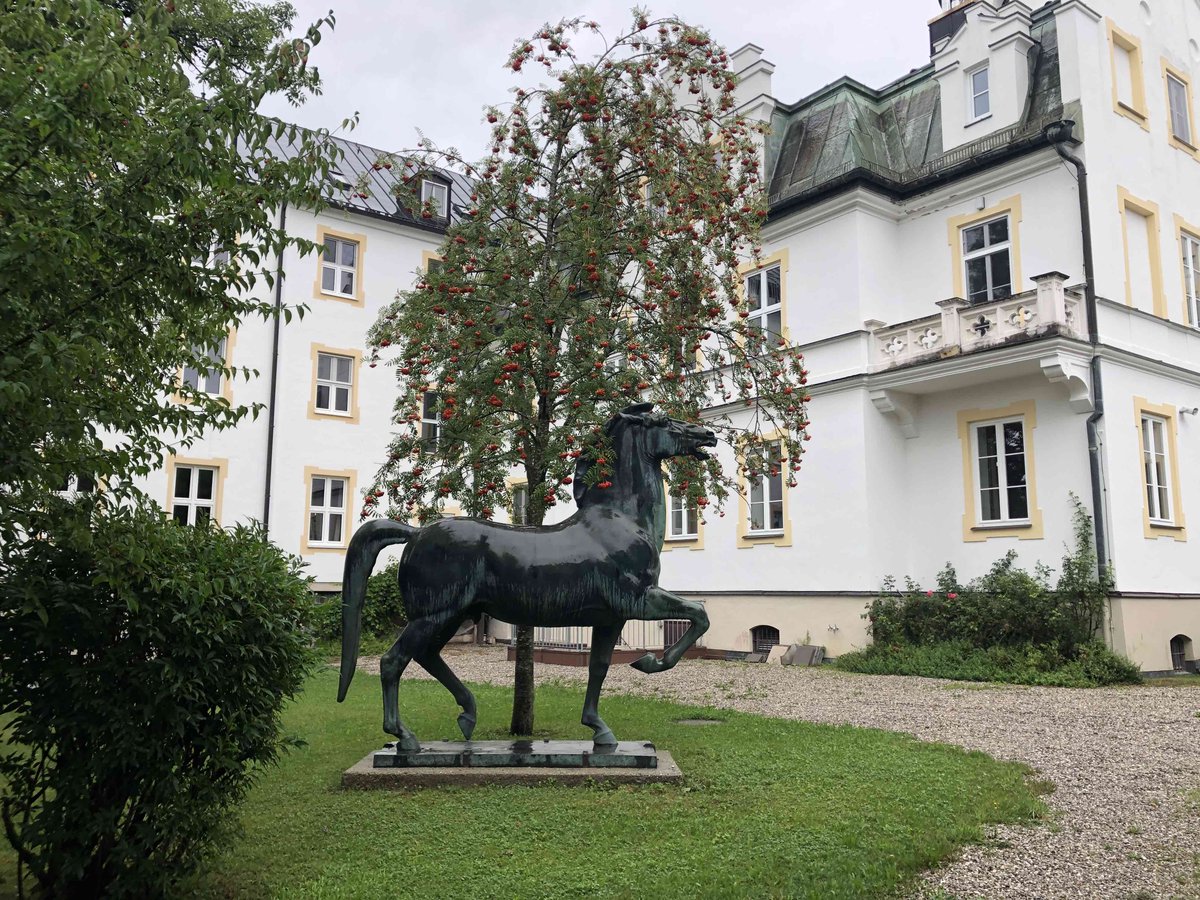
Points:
x=893 y=136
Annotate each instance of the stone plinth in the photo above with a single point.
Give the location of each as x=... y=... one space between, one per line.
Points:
x=519 y=754
x=548 y=766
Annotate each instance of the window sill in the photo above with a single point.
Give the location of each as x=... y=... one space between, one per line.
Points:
x=682 y=539
x=1001 y=526
x=976 y=121
x=754 y=535
x=317 y=545
x=335 y=295
x=332 y=414
x=1165 y=526
x=1180 y=144
x=1128 y=110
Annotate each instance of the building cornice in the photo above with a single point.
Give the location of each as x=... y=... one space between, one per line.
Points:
x=857 y=199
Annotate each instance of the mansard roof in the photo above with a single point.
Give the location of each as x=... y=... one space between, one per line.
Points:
x=356 y=165
x=848 y=134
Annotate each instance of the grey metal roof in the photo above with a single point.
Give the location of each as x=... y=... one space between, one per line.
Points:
x=892 y=137
x=357 y=165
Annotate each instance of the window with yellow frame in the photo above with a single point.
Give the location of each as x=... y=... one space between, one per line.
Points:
x=763 y=517
x=327 y=509
x=333 y=393
x=764 y=294
x=195 y=489
x=340 y=266
x=1162 y=501
x=999 y=483
x=1181 y=122
x=1128 y=80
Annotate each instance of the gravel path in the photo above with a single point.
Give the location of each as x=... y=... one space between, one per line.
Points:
x=1125 y=762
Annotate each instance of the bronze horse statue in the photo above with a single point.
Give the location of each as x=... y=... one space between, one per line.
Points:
x=600 y=568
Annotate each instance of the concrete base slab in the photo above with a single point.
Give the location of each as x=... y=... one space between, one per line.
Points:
x=365 y=776
x=523 y=753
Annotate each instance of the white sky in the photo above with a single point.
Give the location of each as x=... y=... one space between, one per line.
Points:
x=434 y=66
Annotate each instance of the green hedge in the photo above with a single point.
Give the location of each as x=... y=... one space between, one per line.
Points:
x=383 y=609
x=1093 y=664
x=1007 y=625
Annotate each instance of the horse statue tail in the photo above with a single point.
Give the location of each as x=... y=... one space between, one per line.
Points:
x=364 y=548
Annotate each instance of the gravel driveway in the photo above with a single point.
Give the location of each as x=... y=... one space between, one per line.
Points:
x=1125 y=762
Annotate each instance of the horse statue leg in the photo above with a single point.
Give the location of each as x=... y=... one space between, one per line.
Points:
x=431 y=661
x=662 y=604
x=604 y=639
x=413 y=642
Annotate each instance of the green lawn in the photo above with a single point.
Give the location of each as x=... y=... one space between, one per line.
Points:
x=770 y=808
x=1175 y=681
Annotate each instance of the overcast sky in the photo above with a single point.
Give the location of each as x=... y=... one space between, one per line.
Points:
x=435 y=65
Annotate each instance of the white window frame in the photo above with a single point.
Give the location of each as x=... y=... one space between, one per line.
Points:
x=439 y=193
x=76 y=485
x=333 y=385
x=760 y=317
x=1157 y=478
x=428 y=424
x=326 y=512
x=339 y=268
x=765 y=485
x=1185 y=112
x=973 y=115
x=520 y=504
x=987 y=251
x=688 y=516
x=192 y=502
x=1190 y=246
x=211 y=379
x=1002 y=485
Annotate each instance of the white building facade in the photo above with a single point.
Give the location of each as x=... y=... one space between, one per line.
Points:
x=925 y=248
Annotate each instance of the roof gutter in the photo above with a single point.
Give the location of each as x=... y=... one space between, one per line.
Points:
x=1059 y=135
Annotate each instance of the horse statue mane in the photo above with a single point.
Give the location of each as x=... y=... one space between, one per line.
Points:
x=583 y=465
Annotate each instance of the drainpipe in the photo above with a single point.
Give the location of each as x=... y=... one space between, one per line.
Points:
x=1059 y=136
x=266 y=519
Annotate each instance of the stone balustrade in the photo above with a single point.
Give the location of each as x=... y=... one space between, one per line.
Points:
x=963 y=327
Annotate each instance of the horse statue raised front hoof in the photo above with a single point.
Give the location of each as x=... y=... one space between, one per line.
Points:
x=599 y=568
x=648 y=663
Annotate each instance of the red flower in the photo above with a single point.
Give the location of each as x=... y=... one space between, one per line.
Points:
x=952 y=596
x=929 y=593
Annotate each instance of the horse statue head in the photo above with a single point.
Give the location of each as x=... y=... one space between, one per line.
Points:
x=638 y=431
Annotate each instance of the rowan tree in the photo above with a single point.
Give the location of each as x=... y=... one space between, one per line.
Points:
x=595 y=264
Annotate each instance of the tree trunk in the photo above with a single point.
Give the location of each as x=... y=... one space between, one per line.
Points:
x=522 y=715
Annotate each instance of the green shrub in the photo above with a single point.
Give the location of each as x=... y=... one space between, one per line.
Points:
x=1006 y=606
x=383 y=609
x=146 y=665
x=1007 y=625
x=1094 y=665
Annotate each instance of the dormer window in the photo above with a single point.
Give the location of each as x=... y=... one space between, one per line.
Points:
x=437 y=195
x=979 y=94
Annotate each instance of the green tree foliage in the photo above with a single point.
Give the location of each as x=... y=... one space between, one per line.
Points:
x=146 y=665
x=143 y=665
x=595 y=265
x=130 y=151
